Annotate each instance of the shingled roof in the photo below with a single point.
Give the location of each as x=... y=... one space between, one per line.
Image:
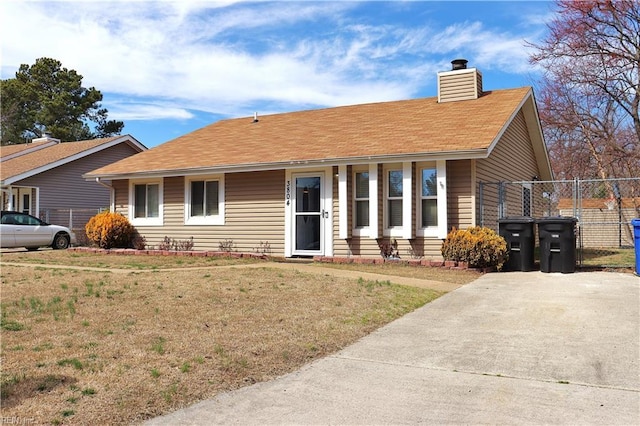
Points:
x=375 y=131
x=23 y=160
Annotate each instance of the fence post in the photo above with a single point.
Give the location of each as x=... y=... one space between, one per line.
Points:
x=500 y=200
x=481 y=199
x=70 y=218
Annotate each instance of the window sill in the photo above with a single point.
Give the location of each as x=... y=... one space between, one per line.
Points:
x=205 y=221
x=147 y=222
x=393 y=232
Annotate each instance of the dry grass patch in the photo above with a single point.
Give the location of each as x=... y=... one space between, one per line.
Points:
x=128 y=261
x=399 y=269
x=83 y=347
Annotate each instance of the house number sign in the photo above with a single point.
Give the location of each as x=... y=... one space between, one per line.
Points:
x=288 y=193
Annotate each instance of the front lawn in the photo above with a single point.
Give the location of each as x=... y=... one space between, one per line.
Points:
x=92 y=347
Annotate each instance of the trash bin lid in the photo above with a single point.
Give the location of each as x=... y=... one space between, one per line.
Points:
x=516 y=219
x=635 y=222
x=557 y=219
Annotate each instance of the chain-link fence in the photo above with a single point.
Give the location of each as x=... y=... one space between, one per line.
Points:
x=74 y=219
x=604 y=209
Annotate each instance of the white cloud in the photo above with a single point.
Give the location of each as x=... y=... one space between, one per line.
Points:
x=140 y=111
x=226 y=57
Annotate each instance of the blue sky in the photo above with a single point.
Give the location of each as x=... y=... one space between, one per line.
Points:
x=167 y=68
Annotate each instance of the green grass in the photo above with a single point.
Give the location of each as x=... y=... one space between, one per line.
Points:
x=611 y=257
x=158 y=345
x=75 y=362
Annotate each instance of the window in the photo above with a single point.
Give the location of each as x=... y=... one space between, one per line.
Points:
x=361 y=190
x=204 y=201
x=146 y=201
x=204 y=198
x=429 y=197
x=394 y=198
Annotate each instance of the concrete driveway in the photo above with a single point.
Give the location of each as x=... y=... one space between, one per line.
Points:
x=509 y=348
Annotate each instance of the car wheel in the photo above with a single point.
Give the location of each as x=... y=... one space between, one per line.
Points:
x=60 y=242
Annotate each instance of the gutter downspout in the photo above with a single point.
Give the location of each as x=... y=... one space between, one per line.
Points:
x=112 y=198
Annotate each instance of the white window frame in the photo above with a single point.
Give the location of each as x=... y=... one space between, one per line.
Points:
x=362 y=231
x=146 y=221
x=403 y=231
x=204 y=220
x=439 y=231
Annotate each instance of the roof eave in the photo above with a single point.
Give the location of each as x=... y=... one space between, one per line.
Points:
x=130 y=140
x=295 y=164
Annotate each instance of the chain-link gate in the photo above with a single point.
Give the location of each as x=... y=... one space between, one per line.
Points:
x=604 y=209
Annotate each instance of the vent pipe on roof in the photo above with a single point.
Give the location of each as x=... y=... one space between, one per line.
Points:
x=255 y=117
x=459 y=64
x=46 y=137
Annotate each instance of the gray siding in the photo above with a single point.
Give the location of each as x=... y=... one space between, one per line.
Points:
x=63 y=187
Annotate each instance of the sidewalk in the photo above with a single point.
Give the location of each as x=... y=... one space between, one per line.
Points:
x=509 y=348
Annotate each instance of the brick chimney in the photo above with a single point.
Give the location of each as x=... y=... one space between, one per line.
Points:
x=459 y=84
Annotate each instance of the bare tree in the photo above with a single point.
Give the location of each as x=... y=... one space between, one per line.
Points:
x=590 y=94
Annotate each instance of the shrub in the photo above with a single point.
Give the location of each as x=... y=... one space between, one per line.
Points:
x=389 y=249
x=478 y=246
x=177 y=245
x=226 y=245
x=110 y=230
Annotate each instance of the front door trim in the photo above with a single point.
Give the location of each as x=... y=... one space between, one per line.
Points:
x=326 y=202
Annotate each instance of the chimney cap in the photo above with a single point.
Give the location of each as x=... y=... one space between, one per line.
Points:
x=459 y=64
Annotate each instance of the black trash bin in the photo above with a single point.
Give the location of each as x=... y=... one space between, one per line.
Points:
x=519 y=233
x=557 y=244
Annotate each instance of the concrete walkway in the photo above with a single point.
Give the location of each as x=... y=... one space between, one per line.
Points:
x=509 y=348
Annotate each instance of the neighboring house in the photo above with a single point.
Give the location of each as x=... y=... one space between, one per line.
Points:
x=336 y=181
x=44 y=177
x=604 y=222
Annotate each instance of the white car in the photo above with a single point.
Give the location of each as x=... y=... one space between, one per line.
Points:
x=23 y=230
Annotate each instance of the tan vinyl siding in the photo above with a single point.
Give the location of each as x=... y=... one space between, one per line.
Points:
x=417 y=247
x=254 y=214
x=460 y=85
x=64 y=187
x=427 y=248
x=512 y=159
x=459 y=194
x=121 y=197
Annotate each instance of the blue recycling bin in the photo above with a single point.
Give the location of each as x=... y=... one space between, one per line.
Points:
x=636 y=239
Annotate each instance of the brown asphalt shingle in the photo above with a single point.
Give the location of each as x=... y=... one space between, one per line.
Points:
x=357 y=131
x=42 y=157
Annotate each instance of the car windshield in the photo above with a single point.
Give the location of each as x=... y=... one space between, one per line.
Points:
x=9 y=218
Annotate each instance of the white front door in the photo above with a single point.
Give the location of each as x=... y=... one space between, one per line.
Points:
x=308 y=214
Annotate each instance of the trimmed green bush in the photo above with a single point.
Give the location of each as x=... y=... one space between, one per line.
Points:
x=110 y=230
x=478 y=246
